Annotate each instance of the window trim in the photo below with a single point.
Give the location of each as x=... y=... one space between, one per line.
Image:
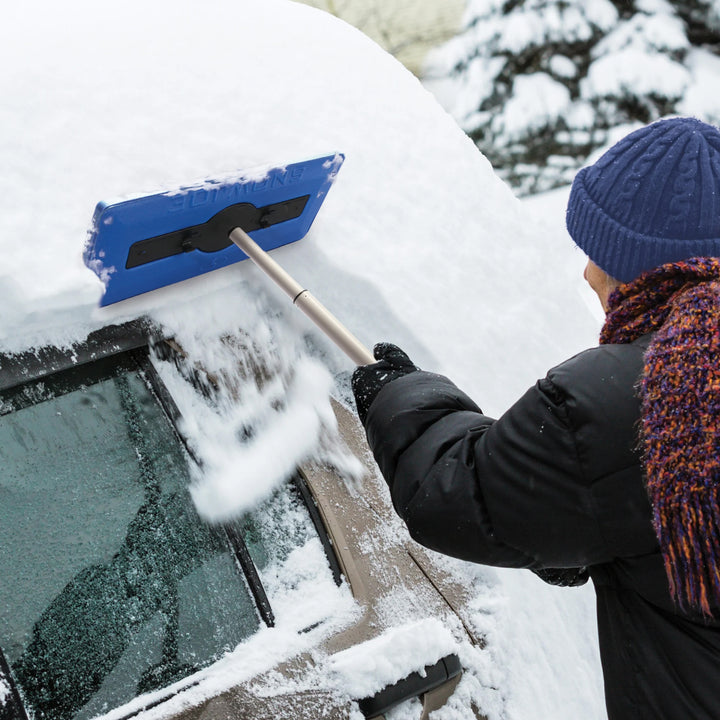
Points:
x=20 y=368
x=303 y=490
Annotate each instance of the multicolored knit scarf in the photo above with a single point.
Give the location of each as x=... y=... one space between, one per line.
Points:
x=680 y=431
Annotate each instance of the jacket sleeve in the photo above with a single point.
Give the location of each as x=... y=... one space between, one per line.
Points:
x=510 y=492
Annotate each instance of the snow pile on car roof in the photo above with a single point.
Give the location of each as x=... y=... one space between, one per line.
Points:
x=134 y=99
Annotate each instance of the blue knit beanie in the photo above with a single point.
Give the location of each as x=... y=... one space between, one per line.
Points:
x=653 y=198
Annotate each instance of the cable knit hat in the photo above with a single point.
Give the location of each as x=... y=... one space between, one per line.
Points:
x=653 y=198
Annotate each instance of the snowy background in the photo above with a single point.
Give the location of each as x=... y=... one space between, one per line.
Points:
x=540 y=84
x=419 y=242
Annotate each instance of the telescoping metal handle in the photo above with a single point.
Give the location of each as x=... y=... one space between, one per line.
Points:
x=304 y=300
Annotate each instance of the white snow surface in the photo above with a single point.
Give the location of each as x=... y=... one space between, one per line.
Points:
x=366 y=668
x=536 y=96
x=418 y=242
x=635 y=70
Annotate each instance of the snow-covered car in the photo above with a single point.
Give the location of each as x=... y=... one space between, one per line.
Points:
x=118 y=598
x=418 y=243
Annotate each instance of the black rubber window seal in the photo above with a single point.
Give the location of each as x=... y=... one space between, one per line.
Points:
x=305 y=494
x=13 y=709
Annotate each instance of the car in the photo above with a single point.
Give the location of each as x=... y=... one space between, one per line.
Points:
x=119 y=599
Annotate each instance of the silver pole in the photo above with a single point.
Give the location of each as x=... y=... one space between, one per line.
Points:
x=312 y=307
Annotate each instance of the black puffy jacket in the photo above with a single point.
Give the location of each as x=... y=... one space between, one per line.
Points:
x=555 y=482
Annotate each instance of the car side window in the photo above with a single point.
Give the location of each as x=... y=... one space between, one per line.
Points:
x=111 y=584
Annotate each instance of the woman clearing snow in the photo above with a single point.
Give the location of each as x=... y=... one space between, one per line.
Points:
x=609 y=467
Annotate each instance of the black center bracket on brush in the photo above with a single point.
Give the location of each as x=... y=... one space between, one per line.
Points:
x=213 y=235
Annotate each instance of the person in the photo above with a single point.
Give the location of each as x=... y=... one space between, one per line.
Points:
x=609 y=467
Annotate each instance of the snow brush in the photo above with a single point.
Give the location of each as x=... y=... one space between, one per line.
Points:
x=145 y=243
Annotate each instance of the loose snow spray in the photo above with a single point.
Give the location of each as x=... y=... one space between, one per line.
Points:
x=266 y=407
x=253 y=448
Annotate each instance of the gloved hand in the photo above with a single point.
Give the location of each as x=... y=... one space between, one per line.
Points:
x=367 y=380
x=564 y=577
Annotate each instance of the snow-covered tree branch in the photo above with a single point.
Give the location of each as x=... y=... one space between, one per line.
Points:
x=539 y=84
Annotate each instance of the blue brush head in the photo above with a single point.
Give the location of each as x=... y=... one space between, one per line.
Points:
x=146 y=243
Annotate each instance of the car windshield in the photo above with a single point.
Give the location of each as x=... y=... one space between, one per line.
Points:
x=111 y=585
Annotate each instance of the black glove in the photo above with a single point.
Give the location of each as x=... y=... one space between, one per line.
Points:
x=564 y=577
x=367 y=380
